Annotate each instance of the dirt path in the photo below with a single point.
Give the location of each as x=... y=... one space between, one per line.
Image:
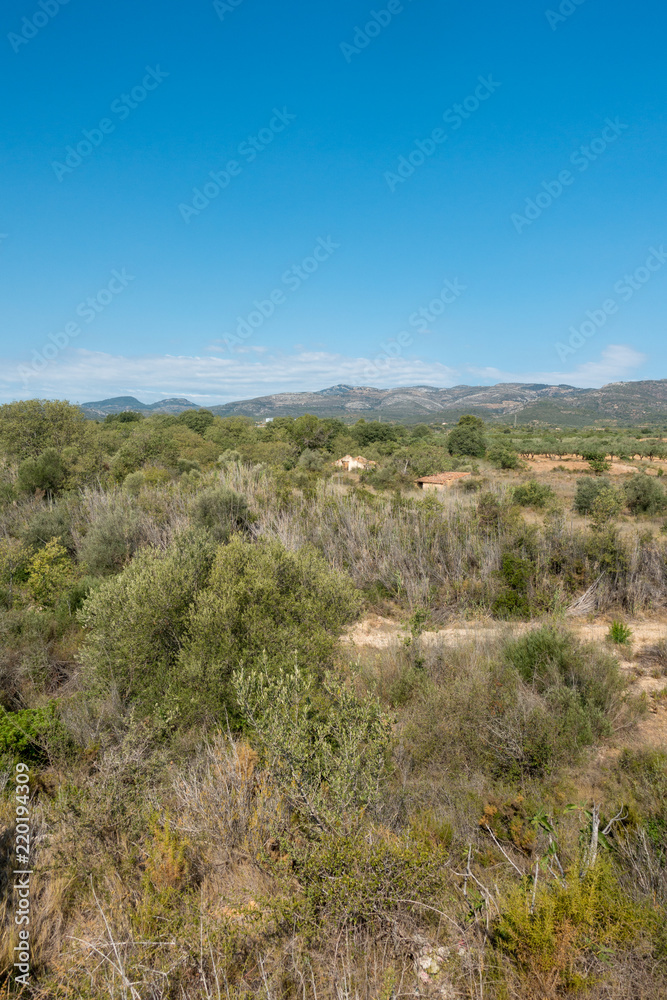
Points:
x=379 y=633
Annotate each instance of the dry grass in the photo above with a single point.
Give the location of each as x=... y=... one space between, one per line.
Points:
x=175 y=868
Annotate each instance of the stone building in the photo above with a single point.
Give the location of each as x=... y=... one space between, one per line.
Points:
x=441 y=481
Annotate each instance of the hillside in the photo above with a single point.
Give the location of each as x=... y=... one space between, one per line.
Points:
x=618 y=402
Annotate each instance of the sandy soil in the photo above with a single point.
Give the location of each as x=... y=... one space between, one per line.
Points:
x=379 y=633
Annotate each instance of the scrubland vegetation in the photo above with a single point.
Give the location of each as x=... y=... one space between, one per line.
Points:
x=232 y=800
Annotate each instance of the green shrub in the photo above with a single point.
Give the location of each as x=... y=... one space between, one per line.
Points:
x=548 y=929
x=619 y=633
x=607 y=505
x=310 y=460
x=467 y=438
x=28 y=427
x=137 y=621
x=49 y=573
x=149 y=444
x=647 y=767
x=197 y=420
x=354 y=881
x=13 y=561
x=75 y=595
x=645 y=495
x=46 y=472
x=111 y=540
x=370 y=433
x=31 y=735
x=169 y=630
x=221 y=511
x=266 y=605
x=532 y=493
x=510 y=603
x=327 y=755
x=7 y=491
x=582 y=690
x=155 y=475
x=185 y=465
x=53 y=522
x=549 y=658
x=587 y=492
x=229 y=457
x=504 y=456
x=133 y=483
x=383 y=478
x=489 y=509
x=516 y=573
x=126 y=417
x=597 y=461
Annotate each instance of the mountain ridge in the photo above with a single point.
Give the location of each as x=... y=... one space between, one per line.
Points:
x=622 y=402
x=124 y=404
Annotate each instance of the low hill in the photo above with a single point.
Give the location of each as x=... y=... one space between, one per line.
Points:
x=122 y=404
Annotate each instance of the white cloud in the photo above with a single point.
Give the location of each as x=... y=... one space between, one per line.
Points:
x=82 y=375
x=87 y=375
x=615 y=363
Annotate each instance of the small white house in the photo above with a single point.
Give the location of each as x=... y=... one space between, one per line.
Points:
x=350 y=464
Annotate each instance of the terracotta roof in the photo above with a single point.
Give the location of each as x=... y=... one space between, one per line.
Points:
x=443 y=477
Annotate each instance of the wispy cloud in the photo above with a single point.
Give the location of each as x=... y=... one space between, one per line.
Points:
x=616 y=362
x=86 y=375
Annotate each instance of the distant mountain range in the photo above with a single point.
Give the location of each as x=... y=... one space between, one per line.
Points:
x=126 y=404
x=618 y=402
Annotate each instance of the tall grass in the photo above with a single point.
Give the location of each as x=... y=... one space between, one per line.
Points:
x=449 y=555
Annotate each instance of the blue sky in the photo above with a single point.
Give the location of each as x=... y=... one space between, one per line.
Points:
x=222 y=200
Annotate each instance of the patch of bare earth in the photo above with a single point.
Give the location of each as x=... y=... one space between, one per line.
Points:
x=541 y=465
x=544 y=463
